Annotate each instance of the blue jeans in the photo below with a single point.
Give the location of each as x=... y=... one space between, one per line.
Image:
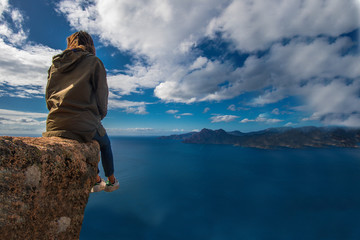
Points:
x=106 y=154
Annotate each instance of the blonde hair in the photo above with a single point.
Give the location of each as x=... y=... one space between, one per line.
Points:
x=81 y=39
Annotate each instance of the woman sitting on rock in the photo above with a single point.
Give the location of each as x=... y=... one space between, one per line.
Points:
x=77 y=97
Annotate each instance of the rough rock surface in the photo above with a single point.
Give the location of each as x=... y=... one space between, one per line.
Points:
x=44 y=186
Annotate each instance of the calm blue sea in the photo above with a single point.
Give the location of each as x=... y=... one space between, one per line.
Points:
x=170 y=190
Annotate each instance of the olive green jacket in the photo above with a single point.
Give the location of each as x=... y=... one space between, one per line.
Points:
x=76 y=96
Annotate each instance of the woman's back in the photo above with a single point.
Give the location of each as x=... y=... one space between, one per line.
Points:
x=76 y=95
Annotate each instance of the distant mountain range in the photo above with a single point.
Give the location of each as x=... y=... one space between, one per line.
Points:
x=285 y=137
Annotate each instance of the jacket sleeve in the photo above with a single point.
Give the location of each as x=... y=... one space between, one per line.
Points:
x=47 y=91
x=101 y=88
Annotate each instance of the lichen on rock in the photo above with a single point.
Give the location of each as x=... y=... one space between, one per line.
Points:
x=32 y=176
x=44 y=186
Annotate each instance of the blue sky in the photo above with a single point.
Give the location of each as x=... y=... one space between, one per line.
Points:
x=179 y=66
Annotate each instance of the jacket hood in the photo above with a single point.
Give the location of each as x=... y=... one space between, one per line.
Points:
x=67 y=60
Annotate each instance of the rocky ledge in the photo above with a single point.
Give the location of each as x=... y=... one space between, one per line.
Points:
x=44 y=186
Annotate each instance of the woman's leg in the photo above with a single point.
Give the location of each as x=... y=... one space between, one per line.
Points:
x=106 y=155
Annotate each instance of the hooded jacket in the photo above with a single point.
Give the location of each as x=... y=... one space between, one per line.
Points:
x=76 y=96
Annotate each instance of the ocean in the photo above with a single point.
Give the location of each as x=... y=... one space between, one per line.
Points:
x=171 y=190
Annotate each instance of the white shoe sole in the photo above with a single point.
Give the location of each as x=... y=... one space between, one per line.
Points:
x=113 y=187
x=99 y=188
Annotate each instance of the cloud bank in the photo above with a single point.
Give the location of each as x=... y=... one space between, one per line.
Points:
x=21 y=122
x=290 y=48
x=24 y=65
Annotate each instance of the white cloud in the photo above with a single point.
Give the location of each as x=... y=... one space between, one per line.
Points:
x=21 y=122
x=246 y=120
x=206 y=110
x=199 y=63
x=23 y=65
x=212 y=82
x=140 y=110
x=128 y=106
x=275 y=111
x=310 y=72
x=232 y=107
x=156 y=29
x=186 y=114
x=113 y=104
x=11 y=114
x=136 y=78
x=314 y=117
x=223 y=118
x=335 y=103
x=11 y=22
x=255 y=25
x=262 y=118
x=171 y=111
x=176 y=115
x=132 y=131
x=316 y=61
x=268 y=97
x=178 y=130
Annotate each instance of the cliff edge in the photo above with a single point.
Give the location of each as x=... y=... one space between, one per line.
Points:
x=44 y=186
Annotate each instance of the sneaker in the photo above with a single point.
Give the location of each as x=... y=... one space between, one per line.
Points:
x=111 y=186
x=99 y=186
